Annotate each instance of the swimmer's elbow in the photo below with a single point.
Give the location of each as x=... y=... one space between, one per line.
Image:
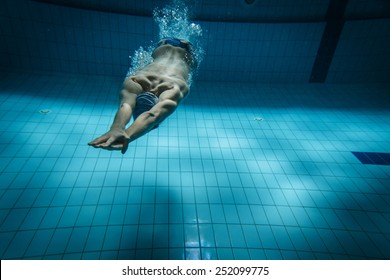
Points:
x=168 y=105
x=125 y=97
x=162 y=110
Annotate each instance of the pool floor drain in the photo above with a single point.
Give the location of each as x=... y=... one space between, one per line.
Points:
x=44 y=111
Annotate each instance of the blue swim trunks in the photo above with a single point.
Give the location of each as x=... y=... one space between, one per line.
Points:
x=145 y=102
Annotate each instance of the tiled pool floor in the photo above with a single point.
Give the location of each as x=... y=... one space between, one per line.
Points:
x=240 y=171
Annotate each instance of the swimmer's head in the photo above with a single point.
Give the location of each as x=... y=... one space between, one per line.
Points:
x=180 y=43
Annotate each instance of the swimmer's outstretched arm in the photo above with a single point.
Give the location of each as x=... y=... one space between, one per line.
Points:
x=118 y=138
x=117 y=134
x=148 y=120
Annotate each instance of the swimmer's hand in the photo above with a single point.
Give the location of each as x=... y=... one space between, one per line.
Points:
x=114 y=139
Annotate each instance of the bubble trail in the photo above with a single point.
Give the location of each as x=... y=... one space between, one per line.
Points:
x=173 y=21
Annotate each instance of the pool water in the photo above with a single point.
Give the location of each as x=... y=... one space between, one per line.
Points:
x=213 y=182
x=257 y=162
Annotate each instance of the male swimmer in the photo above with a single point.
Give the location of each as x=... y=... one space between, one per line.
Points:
x=151 y=94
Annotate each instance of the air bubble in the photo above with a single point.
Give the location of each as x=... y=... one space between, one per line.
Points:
x=173 y=21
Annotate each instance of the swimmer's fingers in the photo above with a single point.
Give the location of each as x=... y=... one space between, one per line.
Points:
x=112 y=148
x=100 y=140
x=125 y=145
x=122 y=145
x=115 y=147
x=110 y=141
x=108 y=138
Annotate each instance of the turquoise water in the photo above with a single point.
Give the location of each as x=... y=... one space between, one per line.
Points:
x=255 y=164
x=213 y=182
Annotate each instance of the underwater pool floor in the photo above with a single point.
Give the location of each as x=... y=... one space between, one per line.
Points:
x=240 y=171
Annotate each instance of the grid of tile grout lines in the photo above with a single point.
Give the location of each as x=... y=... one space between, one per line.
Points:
x=261 y=179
